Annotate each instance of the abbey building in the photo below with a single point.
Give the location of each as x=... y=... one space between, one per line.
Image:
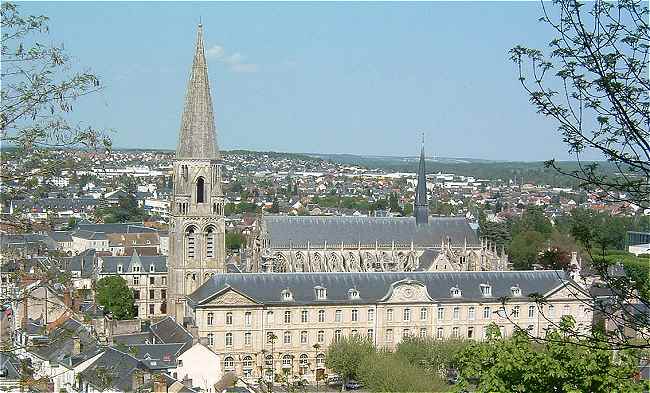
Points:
x=197 y=223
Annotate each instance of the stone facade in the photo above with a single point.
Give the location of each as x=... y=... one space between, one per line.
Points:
x=197 y=228
x=261 y=324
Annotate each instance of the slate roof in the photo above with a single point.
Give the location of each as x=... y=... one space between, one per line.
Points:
x=83 y=263
x=266 y=288
x=61 y=236
x=156 y=356
x=89 y=235
x=60 y=347
x=127 y=227
x=113 y=369
x=10 y=365
x=168 y=331
x=109 y=265
x=298 y=230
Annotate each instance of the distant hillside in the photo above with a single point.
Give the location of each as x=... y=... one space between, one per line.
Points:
x=533 y=172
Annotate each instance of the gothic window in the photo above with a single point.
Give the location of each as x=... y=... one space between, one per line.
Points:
x=209 y=242
x=200 y=190
x=191 y=242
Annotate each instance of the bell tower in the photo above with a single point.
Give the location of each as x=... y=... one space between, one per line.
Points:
x=197 y=229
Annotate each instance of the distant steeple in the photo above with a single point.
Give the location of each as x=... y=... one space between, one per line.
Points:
x=197 y=137
x=421 y=207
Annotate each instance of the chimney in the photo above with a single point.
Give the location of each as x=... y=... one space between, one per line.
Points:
x=25 y=313
x=159 y=385
x=67 y=298
x=76 y=345
x=194 y=331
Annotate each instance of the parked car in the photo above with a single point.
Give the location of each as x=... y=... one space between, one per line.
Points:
x=334 y=379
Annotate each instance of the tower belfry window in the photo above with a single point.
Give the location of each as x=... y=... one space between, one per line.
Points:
x=200 y=190
x=191 y=242
x=209 y=242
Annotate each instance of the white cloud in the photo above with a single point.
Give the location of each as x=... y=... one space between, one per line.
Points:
x=215 y=52
x=235 y=61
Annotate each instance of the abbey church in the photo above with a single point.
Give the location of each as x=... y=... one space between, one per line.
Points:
x=296 y=244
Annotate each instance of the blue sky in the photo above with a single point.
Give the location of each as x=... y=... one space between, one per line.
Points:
x=360 y=78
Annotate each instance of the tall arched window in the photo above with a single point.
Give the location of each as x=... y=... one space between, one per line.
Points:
x=209 y=242
x=191 y=242
x=200 y=190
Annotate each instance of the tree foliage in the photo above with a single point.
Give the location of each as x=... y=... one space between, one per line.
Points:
x=561 y=363
x=39 y=90
x=113 y=293
x=347 y=355
x=594 y=84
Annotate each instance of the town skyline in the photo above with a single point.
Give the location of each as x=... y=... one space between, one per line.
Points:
x=275 y=91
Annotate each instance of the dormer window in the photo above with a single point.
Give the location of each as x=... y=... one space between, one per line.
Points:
x=455 y=292
x=353 y=294
x=321 y=293
x=119 y=268
x=152 y=268
x=486 y=290
x=136 y=269
x=515 y=291
x=286 y=295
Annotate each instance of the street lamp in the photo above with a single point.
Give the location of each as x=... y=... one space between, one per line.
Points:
x=316 y=348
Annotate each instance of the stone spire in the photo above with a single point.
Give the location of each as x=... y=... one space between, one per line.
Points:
x=198 y=134
x=421 y=207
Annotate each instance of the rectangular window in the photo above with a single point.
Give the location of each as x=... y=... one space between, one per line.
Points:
x=337 y=335
x=163 y=294
x=440 y=333
x=454 y=332
x=371 y=314
x=248 y=338
x=248 y=318
x=486 y=313
x=269 y=318
x=389 y=335
x=423 y=332
x=321 y=336
x=470 y=332
x=210 y=318
x=152 y=280
x=136 y=280
x=407 y=314
x=151 y=309
x=456 y=313
x=304 y=316
x=515 y=312
x=389 y=314
x=210 y=339
x=287 y=317
x=136 y=294
x=355 y=315
x=287 y=337
x=164 y=280
x=441 y=313
x=406 y=333
x=152 y=294
x=551 y=311
x=471 y=313
x=566 y=310
x=371 y=334
x=321 y=315
x=423 y=314
x=338 y=316
x=303 y=337
x=531 y=311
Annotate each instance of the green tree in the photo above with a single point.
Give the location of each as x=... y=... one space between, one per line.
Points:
x=348 y=355
x=532 y=219
x=113 y=293
x=235 y=240
x=598 y=60
x=389 y=372
x=562 y=363
x=525 y=248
